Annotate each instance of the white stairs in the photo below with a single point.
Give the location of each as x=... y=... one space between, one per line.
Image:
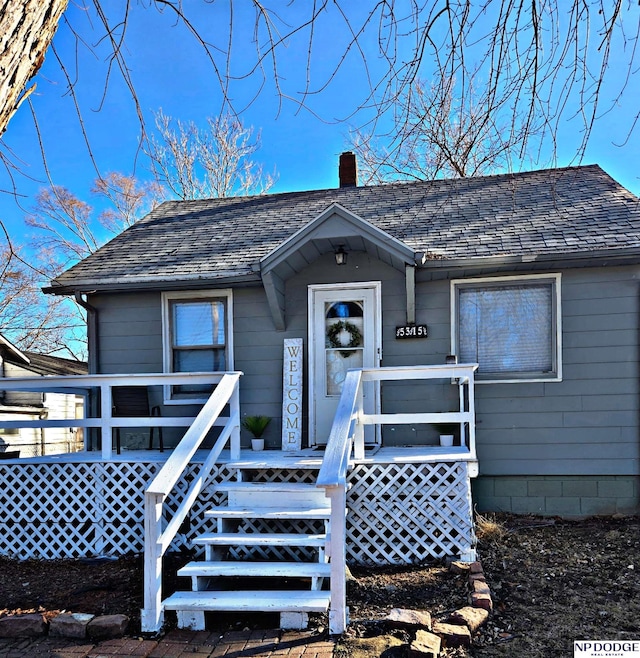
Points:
x=266 y=551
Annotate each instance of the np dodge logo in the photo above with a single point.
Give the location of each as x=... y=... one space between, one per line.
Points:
x=606 y=649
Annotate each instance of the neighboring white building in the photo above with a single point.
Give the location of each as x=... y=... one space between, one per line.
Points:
x=16 y=405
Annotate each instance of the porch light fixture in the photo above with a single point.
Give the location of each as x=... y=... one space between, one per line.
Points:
x=341 y=256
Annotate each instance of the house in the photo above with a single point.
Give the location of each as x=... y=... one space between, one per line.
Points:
x=531 y=275
x=365 y=321
x=17 y=405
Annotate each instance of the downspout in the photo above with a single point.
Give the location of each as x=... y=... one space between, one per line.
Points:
x=410 y=282
x=92 y=333
x=93 y=363
x=410 y=285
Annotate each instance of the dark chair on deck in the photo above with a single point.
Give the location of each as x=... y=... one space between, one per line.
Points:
x=133 y=402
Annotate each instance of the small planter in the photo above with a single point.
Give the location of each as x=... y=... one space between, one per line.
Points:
x=256 y=425
x=446 y=440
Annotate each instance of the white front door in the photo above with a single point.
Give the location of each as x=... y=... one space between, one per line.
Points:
x=344 y=332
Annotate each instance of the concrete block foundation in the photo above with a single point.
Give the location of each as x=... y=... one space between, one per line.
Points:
x=565 y=496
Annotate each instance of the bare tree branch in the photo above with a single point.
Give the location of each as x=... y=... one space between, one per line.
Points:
x=548 y=61
x=440 y=133
x=129 y=198
x=197 y=164
x=66 y=230
x=27 y=317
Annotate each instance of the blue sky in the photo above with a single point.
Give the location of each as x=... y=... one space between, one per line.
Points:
x=169 y=72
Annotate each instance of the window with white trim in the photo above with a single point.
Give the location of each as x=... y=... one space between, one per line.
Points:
x=197 y=337
x=510 y=326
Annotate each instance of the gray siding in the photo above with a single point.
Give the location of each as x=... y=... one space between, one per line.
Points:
x=130 y=332
x=586 y=424
x=258 y=354
x=432 y=309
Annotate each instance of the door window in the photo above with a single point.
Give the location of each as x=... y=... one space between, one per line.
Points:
x=344 y=342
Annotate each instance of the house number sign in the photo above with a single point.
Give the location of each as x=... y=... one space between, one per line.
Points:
x=292 y=395
x=412 y=331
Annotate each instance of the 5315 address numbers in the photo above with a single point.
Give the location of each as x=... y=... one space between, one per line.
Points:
x=412 y=331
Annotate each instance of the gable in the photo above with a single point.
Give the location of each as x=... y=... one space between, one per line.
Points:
x=335 y=228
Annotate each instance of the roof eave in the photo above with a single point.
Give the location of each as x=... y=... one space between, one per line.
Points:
x=597 y=258
x=149 y=283
x=14 y=350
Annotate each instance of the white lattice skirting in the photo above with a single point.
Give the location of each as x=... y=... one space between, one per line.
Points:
x=83 y=509
x=409 y=513
x=398 y=513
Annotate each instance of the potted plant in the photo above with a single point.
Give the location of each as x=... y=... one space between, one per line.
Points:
x=447 y=433
x=256 y=425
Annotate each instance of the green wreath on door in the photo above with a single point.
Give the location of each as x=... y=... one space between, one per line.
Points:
x=355 y=336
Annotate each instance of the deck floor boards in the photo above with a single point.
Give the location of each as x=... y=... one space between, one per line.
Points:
x=307 y=458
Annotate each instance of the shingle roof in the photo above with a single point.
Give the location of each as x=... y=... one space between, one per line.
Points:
x=45 y=364
x=555 y=211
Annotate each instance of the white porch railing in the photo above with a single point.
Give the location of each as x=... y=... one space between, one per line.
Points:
x=346 y=442
x=106 y=422
x=157 y=540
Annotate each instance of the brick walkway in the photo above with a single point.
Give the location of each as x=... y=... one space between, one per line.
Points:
x=179 y=644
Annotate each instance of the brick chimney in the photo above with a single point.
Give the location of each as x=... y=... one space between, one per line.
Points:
x=347 y=170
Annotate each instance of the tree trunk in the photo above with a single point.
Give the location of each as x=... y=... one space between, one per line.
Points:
x=26 y=30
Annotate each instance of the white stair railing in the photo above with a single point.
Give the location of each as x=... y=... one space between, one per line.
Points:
x=346 y=441
x=345 y=432
x=460 y=375
x=157 y=540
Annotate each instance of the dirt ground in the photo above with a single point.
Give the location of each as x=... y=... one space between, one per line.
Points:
x=552 y=582
x=556 y=582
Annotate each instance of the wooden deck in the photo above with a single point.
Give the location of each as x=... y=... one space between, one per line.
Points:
x=308 y=457
x=387 y=505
